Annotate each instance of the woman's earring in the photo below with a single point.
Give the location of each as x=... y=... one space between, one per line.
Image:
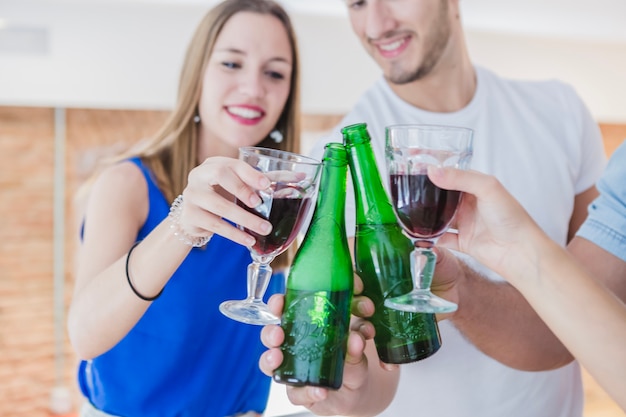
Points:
x=276 y=136
x=196 y=119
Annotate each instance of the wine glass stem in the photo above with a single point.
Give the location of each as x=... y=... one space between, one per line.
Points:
x=258 y=278
x=423 y=262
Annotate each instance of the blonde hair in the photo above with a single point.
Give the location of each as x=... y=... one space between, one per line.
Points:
x=172 y=152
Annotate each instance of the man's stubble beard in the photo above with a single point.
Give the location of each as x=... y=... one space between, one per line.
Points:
x=435 y=43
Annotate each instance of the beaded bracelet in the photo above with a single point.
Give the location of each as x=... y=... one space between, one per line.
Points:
x=174 y=216
x=130 y=283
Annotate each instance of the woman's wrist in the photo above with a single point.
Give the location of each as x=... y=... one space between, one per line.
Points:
x=179 y=232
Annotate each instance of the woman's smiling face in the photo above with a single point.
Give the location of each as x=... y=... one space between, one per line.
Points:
x=246 y=83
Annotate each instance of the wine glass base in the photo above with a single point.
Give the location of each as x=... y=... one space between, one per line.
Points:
x=421 y=302
x=250 y=312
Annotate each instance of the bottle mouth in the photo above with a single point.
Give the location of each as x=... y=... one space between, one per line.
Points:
x=357 y=134
x=335 y=154
x=353 y=127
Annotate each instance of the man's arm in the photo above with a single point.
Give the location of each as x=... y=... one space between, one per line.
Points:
x=507 y=327
x=577 y=305
x=497 y=319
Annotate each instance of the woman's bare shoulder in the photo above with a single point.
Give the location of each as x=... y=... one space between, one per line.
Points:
x=121 y=186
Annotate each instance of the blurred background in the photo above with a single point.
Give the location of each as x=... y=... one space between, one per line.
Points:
x=82 y=79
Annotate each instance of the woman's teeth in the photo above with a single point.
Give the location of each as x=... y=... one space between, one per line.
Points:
x=245 y=112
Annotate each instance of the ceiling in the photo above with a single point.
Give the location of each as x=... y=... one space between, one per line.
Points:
x=588 y=19
x=582 y=19
x=126 y=53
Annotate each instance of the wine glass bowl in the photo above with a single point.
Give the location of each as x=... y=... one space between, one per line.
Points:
x=286 y=204
x=282 y=205
x=424 y=210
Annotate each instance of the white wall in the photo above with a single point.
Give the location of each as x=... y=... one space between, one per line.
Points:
x=597 y=69
x=127 y=55
x=115 y=56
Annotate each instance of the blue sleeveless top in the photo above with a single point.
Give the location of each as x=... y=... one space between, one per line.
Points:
x=183 y=357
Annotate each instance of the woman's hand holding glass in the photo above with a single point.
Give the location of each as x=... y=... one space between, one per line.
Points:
x=210 y=200
x=285 y=203
x=423 y=210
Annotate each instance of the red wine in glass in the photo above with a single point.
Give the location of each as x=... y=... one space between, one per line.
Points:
x=424 y=209
x=286 y=205
x=285 y=213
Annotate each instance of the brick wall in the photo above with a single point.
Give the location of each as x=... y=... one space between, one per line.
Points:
x=614 y=134
x=28 y=370
x=27 y=332
x=26 y=329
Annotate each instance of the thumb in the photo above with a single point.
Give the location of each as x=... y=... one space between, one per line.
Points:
x=467 y=181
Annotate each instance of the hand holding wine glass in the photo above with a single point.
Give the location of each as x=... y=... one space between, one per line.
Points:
x=493 y=227
x=424 y=210
x=285 y=204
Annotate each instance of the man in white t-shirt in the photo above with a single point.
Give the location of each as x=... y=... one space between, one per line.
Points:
x=498 y=358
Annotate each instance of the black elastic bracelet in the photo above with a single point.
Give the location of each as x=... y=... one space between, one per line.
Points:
x=143 y=297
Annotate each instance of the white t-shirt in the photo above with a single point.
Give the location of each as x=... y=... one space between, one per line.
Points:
x=541 y=142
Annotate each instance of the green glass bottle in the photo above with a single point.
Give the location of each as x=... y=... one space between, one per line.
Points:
x=316 y=316
x=382 y=259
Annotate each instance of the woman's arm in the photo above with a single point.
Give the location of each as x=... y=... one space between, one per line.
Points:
x=582 y=313
x=104 y=308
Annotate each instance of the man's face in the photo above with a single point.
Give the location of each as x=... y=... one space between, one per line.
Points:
x=405 y=37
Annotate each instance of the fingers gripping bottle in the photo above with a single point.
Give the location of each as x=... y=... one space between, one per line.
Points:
x=316 y=316
x=382 y=259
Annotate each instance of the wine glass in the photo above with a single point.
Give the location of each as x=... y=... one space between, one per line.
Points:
x=424 y=210
x=285 y=204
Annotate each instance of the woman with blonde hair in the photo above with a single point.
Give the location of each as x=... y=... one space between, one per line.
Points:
x=160 y=249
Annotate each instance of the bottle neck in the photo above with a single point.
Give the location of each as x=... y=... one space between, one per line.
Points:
x=372 y=202
x=331 y=200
